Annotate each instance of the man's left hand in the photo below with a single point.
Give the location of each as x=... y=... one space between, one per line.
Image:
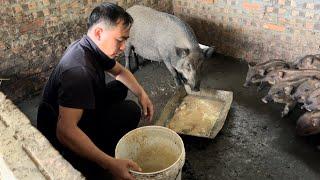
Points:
x=147 y=106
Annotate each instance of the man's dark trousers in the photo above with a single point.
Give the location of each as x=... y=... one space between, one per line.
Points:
x=120 y=117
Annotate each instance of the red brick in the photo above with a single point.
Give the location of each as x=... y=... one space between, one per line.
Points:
x=309 y=25
x=46 y=12
x=207 y=1
x=282 y=2
x=74 y=5
x=17 y=9
x=31 y=26
x=269 y=9
x=2 y=46
x=282 y=10
x=251 y=6
x=310 y=6
x=32 y=5
x=274 y=27
x=45 y=2
x=282 y=20
x=63 y=8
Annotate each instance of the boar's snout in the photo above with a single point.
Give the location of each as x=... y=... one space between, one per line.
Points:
x=297 y=97
x=246 y=84
x=196 y=86
x=267 y=98
x=195 y=89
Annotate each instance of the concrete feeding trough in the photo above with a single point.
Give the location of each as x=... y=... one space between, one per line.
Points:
x=200 y=114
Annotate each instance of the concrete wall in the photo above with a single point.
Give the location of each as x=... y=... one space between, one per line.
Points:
x=24 y=152
x=34 y=34
x=255 y=30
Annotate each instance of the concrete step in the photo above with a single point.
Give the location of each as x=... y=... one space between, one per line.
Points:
x=25 y=153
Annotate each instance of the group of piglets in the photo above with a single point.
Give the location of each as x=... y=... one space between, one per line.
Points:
x=291 y=83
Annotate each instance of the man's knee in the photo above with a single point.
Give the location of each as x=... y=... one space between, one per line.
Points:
x=133 y=111
x=116 y=91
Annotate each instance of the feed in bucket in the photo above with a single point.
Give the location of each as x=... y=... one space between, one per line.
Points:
x=158 y=150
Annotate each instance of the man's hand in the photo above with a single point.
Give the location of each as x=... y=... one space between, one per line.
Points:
x=147 y=106
x=127 y=78
x=120 y=169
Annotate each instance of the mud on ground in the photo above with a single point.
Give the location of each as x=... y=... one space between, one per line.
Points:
x=255 y=143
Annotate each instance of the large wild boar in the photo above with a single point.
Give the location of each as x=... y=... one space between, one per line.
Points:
x=308 y=123
x=159 y=36
x=258 y=71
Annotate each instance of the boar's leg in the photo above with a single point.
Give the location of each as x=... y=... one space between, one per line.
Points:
x=174 y=73
x=288 y=107
x=136 y=59
x=127 y=53
x=261 y=86
x=311 y=107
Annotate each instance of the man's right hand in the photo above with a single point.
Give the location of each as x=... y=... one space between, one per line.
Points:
x=70 y=135
x=120 y=169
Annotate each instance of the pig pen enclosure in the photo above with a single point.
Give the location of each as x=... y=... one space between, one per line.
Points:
x=255 y=142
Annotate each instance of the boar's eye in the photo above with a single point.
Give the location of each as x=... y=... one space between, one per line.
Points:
x=189 y=67
x=182 y=52
x=183 y=79
x=306 y=90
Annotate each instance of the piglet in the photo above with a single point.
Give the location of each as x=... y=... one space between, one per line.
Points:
x=258 y=71
x=308 y=123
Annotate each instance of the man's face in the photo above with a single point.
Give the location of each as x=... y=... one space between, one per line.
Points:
x=112 y=40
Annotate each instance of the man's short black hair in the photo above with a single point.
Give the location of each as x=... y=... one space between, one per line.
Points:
x=109 y=13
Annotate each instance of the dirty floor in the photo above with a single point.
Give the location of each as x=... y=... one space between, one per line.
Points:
x=255 y=142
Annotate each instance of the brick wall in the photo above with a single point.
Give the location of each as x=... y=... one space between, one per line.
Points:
x=34 y=34
x=255 y=30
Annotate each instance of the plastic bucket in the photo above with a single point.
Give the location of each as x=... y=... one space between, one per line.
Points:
x=159 y=151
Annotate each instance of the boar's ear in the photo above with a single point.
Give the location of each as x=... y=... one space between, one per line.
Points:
x=261 y=72
x=182 y=52
x=207 y=52
x=288 y=90
x=312 y=60
x=281 y=74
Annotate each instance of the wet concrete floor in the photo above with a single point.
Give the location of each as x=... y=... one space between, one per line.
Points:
x=255 y=142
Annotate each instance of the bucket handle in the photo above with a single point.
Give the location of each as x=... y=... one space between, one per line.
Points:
x=178 y=174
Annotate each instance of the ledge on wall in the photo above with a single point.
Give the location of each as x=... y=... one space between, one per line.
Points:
x=25 y=152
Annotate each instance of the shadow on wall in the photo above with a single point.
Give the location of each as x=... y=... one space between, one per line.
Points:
x=227 y=40
x=251 y=44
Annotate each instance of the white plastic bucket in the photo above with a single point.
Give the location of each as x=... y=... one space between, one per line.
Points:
x=159 y=151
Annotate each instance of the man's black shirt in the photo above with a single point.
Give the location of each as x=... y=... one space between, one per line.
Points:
x=78 y=81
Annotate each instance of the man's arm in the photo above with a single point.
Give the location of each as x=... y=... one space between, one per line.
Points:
x=126 y=77
x=70 y=135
